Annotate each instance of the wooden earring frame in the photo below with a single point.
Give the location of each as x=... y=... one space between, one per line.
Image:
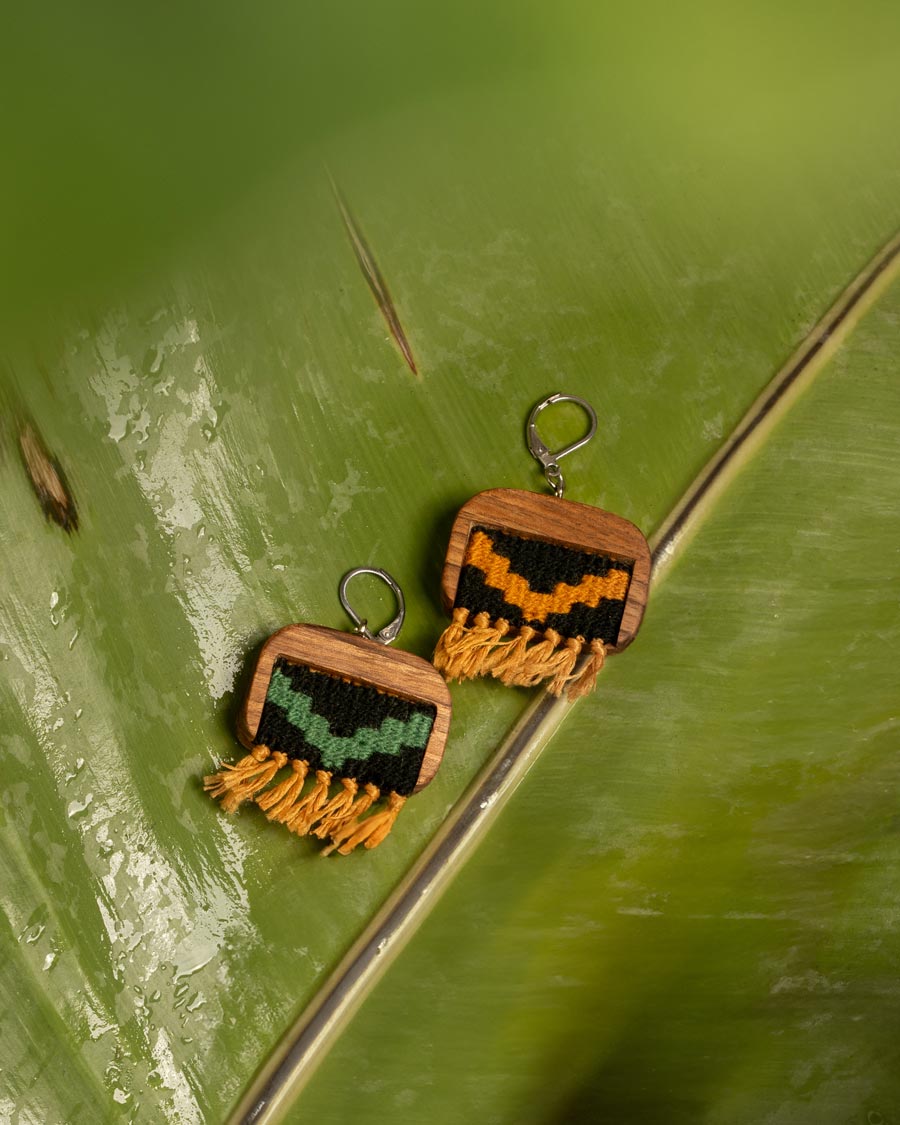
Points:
x=553 y=520
x=360 y=661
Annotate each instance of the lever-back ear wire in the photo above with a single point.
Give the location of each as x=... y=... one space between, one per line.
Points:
x=547 y=457
x=390 y=632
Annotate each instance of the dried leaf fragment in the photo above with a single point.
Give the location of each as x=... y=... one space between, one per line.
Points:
x=48 y=480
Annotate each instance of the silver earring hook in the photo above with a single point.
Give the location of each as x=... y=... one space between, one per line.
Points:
x=390 y=632
x=547 y=457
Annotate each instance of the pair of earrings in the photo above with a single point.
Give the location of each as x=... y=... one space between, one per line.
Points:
x=539 y=589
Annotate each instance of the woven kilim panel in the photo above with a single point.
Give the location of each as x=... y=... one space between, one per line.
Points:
x=346 y=728
x=531 y=582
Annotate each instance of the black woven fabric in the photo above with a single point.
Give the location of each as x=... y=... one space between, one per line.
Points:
x=348 y=708
x=544 y=566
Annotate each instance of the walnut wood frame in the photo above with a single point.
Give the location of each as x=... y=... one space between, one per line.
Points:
x=362 y=661
x=579 y=526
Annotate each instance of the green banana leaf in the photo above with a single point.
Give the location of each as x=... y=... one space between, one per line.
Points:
x=686 y=910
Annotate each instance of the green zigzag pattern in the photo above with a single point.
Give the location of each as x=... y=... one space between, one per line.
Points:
x=389 y=738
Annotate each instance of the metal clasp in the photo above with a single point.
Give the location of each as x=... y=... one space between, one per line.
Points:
x=547 y=457
x=390 y=632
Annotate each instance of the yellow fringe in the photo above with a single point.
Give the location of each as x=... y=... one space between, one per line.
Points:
x=511 y=655
x=566 y=659
x=450 y=641
x=584 y=681
x=536 y=664
x=279 y=801
x=483 y=648
x=481 y=643
x=369 y=832
x=238 y=783
x=305 y=813
x=337 y=809
x=463 y=650
x=496 y=656
x=339 y=818
x=361 y=805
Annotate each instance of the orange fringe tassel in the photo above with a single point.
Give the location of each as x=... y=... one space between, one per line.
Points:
x=483 y=648
x=337 y=811
x=340 y=818
x=449 y=644
x=361 y=805
x=279 y=801
x=306 y=812
x=238 y=783
x=583 y=681
x=369 y=832
x=511 y=655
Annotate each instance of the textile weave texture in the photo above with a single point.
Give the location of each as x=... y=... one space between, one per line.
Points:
x=349 y=729
x=543 y=585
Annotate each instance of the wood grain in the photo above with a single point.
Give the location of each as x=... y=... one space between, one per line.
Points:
x=362 y=661
x=563 y=522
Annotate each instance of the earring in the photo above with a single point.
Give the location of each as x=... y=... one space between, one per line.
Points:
x=346 y=710
x=540 y=589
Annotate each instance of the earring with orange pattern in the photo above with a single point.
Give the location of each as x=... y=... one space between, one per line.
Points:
x=540 y=589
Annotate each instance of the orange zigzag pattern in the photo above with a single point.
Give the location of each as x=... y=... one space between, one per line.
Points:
x=536 y=607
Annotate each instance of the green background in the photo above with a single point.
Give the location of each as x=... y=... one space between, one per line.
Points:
x=687 y=910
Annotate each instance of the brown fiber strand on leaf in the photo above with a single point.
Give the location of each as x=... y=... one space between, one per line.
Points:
x=48 y=480
x=375 y=280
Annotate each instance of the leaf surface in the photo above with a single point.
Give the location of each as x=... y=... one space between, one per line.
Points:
x=646 y=210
